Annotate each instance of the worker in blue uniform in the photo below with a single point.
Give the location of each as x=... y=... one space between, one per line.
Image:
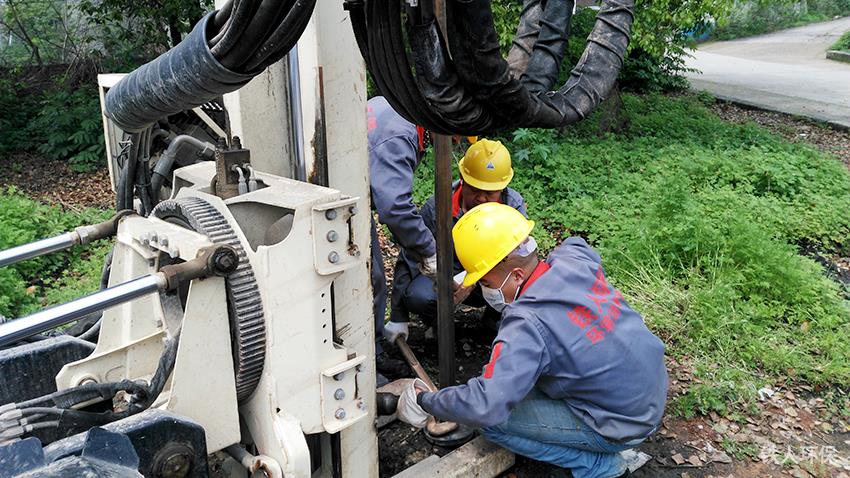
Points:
x=396 y=147
x=574 y=377
x=485 y=172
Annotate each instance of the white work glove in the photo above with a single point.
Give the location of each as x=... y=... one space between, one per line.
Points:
x=394 y=330
x=408 y=410
x=428 y=267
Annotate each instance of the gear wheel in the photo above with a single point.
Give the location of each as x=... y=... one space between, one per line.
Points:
x=245 y=307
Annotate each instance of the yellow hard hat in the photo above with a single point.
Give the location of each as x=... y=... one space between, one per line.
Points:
x=487 y=166
x=487 y=234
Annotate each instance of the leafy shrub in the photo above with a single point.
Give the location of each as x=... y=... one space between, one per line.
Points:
x=18 y=108
x=755 y=17
x=698 y=222
x=69 y=127
x=28 y=285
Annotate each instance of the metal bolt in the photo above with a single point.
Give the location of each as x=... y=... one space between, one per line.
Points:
x=87 y=381
x=339 y=414
x=361 y=405
x=174 y=253
x=333 y=257
x=353 y=210
x=339 y=376
x=330 y=214
x=163 y=240
x=225 y=260
x=146 y=238
x=332 y=236
x=339 y=394
x=177 y=465
x=154 y=237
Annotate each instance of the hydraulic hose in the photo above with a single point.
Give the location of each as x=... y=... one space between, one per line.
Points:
x=475 y=90
x=163 y=166
x=218 y=56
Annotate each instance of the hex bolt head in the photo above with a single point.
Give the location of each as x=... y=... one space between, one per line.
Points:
x=332 y=236
x=353 y=210
x=163 y=240
x=361 y=405
x=146 y=238
x=333 y=257
x=225 y=260
x=339 y=376
x=339 y=394
x=339 y=414
x=154 y=237
x=330 y=214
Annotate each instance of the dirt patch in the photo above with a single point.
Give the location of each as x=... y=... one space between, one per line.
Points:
x=53 y=182
x=793 y=128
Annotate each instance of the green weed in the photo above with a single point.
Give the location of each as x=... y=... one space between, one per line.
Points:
x=51 y=279
x=699 y=223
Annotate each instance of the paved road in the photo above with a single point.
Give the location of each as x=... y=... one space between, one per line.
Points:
x=784 y=71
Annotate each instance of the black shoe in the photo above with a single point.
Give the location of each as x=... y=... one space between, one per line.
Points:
x=392 y=368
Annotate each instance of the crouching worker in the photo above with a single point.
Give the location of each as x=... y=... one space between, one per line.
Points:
x=574 y=377
x=485 y=172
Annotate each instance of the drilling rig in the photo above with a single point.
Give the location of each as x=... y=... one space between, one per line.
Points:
x=235 y=313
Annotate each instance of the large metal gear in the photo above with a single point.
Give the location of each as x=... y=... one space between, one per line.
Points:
x=245 y=307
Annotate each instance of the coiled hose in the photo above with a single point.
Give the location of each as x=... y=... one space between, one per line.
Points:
x=472 y=89
x=209 y=62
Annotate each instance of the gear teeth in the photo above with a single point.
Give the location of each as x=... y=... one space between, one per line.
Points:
x=245 y=306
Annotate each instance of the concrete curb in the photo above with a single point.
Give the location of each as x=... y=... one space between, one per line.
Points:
x=838 y=55
x=719 y=92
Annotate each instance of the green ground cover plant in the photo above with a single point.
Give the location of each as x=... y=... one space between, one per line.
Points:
x=843 y=43
x=700 y=223
x=34 y=284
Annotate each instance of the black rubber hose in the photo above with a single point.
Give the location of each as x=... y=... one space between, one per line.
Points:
x=283 y=38
x=439 y=83
x=185 y=77
x=240 y=18
x=269 y=14
x=526 y=34
x=548 y=51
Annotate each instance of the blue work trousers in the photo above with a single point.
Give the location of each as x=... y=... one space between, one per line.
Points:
x=545 y=429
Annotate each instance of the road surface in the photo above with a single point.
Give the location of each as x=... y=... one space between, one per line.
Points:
x=784 y=71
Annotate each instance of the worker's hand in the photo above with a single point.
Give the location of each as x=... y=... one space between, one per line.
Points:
x=428 y=267
x=461 y=293
x=408 y=410
x=394 y=330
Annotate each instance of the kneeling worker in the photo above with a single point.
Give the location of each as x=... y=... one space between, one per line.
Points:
x=485 y=172
x=574 y=377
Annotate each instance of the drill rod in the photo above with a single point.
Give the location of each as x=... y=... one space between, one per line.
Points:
x=445 y=260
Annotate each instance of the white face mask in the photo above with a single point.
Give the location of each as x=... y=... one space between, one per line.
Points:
x=495 y=297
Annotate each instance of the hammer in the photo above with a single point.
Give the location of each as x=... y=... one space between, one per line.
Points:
x=433 y=427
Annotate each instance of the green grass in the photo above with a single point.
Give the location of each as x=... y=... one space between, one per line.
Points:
x=698 y=222
x=843 y=43
x=55 y=278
